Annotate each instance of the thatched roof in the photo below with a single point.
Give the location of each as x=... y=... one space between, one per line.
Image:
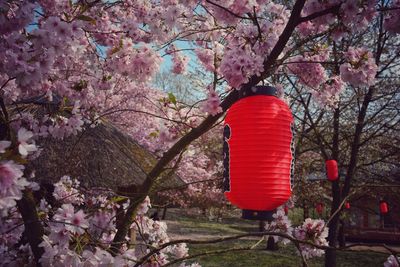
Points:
x=102 y=156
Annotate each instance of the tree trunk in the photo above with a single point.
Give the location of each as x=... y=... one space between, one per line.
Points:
x=341 y=236
x=33 y=228
x=271 y=244
x=306 y=212
x=164 y=214
x=330 y=254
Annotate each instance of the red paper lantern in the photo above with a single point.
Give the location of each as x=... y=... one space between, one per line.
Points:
x=347 y=205
x=258 y=152
x=286 y=210
x=332 y=170
x=319 y=208
x=383 y=206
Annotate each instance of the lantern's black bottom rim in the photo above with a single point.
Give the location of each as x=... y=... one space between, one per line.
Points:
x=259 y=215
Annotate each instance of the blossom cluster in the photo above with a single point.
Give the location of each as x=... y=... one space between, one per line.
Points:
x=12 y=182
x=139 y=63
x=329 y=92
x=79 y=230
x=391 y=261
x=392 y=19
x=212 y=104
x=206 y=58
x=309 y=70
x=66 y=191
x=311 y=73
x=360 y=68
x=179 y=61
x=245 y=54
x=239 y=64
x=280 y=224
x=314 y=231
x=354 y=15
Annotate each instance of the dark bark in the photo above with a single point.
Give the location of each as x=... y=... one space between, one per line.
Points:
x=261 y=226
x=164 y=214
x=271 y=244
x=33 y=227
x=341 y=236
x=306 y=212
x=330 y=254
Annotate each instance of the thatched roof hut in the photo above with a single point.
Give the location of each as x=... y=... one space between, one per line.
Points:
x=102 y=156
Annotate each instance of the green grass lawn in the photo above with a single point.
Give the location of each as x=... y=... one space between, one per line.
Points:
x=284 y=256
x=233 y=225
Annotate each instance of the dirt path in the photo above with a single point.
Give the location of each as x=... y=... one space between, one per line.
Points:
x=376 y=248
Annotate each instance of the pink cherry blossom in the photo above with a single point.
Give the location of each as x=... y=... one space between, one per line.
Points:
x=144 y=206
x=308 y=69
x=3 y=145
x=206 y=57
x=391 y=261
x=11 y=184
x=239 y=64
x=79 y=223
x=212 y=104
x=180 y=250
x=66 y=191
x=329 y=92
x=360 y=68
x=314 y=231
x=392 y=18
x=280 y=224
x=25 y=144
x=179 y=63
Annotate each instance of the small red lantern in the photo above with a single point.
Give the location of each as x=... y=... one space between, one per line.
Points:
x=286 y=210
x=347 y=205
x=332 y=170
x=319 y=208
x=383 y=206
x=258 y=152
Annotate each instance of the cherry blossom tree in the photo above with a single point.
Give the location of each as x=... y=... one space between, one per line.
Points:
x=85 y=60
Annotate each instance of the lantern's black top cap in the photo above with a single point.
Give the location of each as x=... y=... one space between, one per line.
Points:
x=258 y=90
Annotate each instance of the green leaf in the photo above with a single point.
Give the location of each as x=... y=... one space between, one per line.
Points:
x=153 y=134
x=118 y=199
x=172 y=98
x=79 y=86
x=117 y=48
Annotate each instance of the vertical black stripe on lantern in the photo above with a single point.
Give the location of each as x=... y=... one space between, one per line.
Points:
x=227 y=135
x=258 y=156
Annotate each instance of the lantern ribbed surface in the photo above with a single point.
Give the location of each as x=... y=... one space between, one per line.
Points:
x=332 y=170
x=319 y=208
x=258 y=153
x=383 y=207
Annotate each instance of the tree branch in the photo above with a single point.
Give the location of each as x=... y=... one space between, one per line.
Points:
x=332 y=10
x=195 y=133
